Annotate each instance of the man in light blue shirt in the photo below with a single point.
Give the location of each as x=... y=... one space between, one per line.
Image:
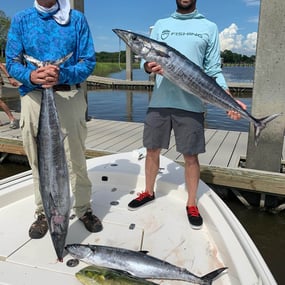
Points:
x=47 y=32
x=170 y=107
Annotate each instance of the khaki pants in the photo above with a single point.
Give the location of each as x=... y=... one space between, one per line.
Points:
x=71 y=107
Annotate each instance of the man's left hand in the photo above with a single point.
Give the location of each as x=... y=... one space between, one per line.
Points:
x=234 y=115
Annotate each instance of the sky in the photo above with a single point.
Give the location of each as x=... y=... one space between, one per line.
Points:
x=237 y=20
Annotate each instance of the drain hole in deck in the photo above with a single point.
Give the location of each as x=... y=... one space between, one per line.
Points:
x=132 y=226
x=104 y=178
x=114 y=203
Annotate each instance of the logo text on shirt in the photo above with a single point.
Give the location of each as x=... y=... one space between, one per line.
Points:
x=166 y=33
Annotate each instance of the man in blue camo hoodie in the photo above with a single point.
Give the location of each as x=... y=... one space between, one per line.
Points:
x=49 y=31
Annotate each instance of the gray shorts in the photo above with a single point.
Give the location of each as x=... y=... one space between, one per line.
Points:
x=188 y=130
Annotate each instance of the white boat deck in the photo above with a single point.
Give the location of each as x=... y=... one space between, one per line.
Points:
x=161 y=228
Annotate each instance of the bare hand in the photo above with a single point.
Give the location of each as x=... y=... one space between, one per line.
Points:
x=46 y=76
x=234 y=115
x=153 y=67
x=13 y=82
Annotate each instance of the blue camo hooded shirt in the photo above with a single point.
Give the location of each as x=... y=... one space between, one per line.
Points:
x=198 y=39
x=37 y=34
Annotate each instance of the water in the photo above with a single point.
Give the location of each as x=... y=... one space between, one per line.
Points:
x=267 y=230
x=238 y=73
x=8 y=169
x=122 y=105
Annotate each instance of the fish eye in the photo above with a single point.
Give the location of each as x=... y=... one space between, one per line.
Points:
x=134 y=37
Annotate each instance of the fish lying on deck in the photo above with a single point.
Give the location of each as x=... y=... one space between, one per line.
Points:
x=52 y=165
x=187 y=75
x=95 y=275
x=137 y=263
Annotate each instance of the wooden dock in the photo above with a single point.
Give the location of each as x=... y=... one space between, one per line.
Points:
x=106 y=82
x=220 y=165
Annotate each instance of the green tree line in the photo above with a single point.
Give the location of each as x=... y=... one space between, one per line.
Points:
x=227 y=56
x=235 y=58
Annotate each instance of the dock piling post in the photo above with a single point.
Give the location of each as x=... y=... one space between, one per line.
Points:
x=269 y=85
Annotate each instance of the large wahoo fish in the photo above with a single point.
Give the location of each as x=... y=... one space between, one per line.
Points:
x=137 y=263
x=52 y=165
x=187 y=75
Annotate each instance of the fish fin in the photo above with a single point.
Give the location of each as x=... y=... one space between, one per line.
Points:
x=63 y=59
x=261 y=124
x=39 y=63
x=120 y=271
x=64 y=136
x=92 y=248
x=34 y=61
x=209 y=278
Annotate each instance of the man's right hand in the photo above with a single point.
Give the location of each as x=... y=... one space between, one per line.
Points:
x=153 y=67
x=46 y=76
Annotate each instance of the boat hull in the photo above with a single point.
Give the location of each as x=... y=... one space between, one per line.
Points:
x=161 y=228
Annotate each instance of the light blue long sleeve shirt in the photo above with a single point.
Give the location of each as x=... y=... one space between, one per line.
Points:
x=198 y=39
x=38 y=35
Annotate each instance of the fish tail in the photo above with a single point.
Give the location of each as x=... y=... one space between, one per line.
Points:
x=209 y=278
x=260 y=124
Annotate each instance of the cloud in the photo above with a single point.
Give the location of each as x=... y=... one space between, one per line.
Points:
x=230 y=39
x=254 y=19
x=252 y=2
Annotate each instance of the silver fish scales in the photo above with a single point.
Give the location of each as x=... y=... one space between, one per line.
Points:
x=52 y=165
x=137 y=263
x=188 y=76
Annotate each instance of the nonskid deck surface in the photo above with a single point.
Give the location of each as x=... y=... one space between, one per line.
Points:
x=161 y=227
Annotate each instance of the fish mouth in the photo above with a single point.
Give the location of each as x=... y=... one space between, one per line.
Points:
x=124 y=35
x=73 y=251
x=78 y=251
x=117 y=31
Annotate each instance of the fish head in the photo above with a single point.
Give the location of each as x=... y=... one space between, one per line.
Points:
x=91 y=275
x=85 y=279
x=147 y=48
x=79 y=251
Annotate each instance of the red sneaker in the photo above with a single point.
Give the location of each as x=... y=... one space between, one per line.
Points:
x=194 y=217
x=142 y=199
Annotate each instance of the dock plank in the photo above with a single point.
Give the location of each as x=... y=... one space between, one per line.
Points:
x=239 y=150
x=212 y=146
x=109 y=133
x=225 y=151
x=171 y=151
x=121 y=139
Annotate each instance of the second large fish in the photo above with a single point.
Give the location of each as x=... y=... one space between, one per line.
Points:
x=52 y=165
x=137 y=263
x=94 y=275
x=188 y=76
